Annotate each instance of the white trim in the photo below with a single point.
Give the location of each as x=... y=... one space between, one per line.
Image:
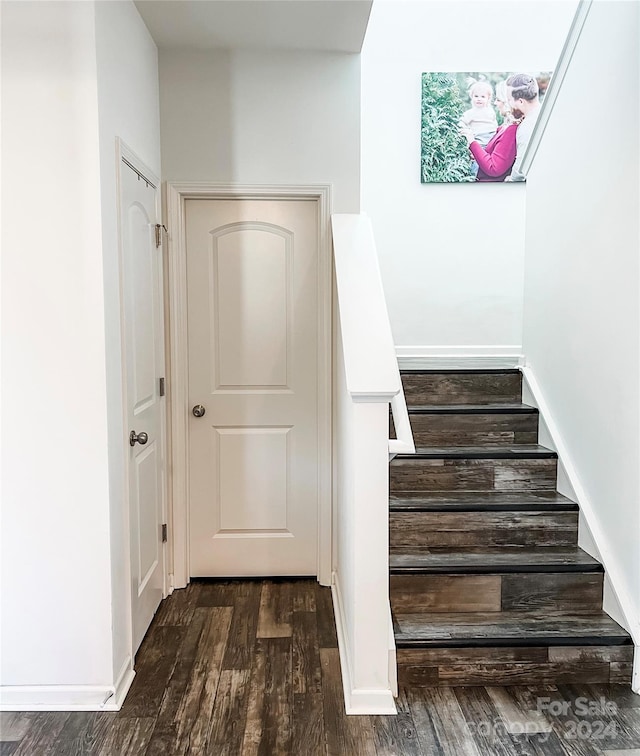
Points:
x=60 y=697
x=325 y=395
x=606 y=552
x=369 y=398
x=178 y=388
x=393 y=661
x=124 y=151
x=459 y=350
x=123 y=682
x=356 y=700
x=464 y=357
x=175 y=195
x=403 y=443
x=582 y=11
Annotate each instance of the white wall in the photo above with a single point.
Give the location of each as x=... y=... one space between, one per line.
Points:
x=451 y=256
x=74 y=76
x=262 y=117
x=56 y=613
x=128 y=107
x=581 y=315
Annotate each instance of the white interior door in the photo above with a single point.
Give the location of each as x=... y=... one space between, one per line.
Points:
x=252 y=272
x=144 y=359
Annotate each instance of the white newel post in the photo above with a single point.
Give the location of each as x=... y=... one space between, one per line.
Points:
x=371 y=555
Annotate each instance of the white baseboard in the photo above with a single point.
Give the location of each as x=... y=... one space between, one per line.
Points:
x=574 y=488
x=356 y=700
x=57 y=698
x=393 y=661
x=68 y=697
x=462 y=357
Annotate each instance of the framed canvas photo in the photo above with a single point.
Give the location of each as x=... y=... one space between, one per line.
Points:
x=476 y=125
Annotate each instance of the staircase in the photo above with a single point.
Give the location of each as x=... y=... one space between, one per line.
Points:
x=487 y=583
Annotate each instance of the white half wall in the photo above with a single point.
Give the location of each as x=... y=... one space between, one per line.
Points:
x=582 y=287
x=366 y=379
x=361 y=544
x=262 y=118
x=451 y=256
x=129 y=108
x=56 y=582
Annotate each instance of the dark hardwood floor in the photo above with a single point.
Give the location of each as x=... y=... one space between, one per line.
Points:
x=252 y=667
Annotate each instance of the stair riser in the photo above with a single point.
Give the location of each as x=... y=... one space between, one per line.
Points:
x=514 y=666
x=474 y=430
x=462 y=388
x=472 y=474
x=571 y=592
x=458 y=529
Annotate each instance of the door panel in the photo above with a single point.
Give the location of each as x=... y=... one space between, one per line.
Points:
x=251 y=329
x=252 y=271
x=145 y=473
x=144 y=338
x=252 y=467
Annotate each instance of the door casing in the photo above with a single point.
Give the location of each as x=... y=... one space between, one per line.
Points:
x=176 y=193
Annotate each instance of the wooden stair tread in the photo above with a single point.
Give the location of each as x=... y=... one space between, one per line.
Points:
x=490 y=560
x=481 y=501
x=471 y=409
x=450 y=629
x=506 y=451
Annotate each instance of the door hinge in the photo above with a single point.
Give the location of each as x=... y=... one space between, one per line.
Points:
x=161 y=386
x=159 y=228
x=164 y=533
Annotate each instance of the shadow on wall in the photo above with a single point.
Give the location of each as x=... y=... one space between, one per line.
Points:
x=196 y=126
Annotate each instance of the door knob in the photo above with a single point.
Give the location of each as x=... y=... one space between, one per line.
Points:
x=141 y=438
x=198 y=410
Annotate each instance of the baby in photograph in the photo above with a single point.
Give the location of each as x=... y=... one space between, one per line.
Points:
x=480 y=118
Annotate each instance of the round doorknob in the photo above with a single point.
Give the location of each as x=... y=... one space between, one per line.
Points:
x=141 y=438
x=198 y=410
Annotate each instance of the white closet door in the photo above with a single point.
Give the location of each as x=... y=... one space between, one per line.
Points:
x=252 y=318
x=144 y=337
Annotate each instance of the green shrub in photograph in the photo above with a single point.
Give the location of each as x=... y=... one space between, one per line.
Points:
x=445 y=156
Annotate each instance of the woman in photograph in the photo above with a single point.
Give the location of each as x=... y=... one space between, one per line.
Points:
x=496 y=160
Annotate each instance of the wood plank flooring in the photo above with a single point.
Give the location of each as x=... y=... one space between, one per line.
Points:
x=251 y=667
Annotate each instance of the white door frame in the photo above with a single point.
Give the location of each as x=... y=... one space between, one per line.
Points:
x=124 y=152
x=176 y=193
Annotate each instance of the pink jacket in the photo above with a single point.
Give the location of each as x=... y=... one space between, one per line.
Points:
x=497 y=158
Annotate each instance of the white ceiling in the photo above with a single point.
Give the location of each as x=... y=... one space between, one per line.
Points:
x=329 y=25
